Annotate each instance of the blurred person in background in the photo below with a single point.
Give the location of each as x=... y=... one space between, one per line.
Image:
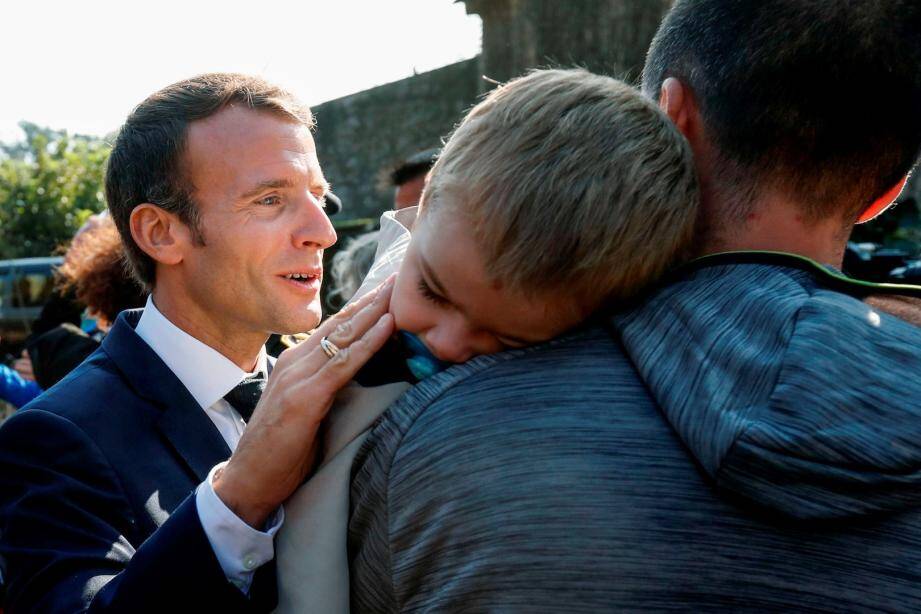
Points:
x=408 y=178
x=16 y=389
x=95 y=272
x=350 y=265
x=62 y=307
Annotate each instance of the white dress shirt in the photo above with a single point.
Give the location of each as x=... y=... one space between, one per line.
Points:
x=209 y=375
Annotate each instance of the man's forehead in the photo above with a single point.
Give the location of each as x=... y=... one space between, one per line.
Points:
x=241 y=126
x=238 y=147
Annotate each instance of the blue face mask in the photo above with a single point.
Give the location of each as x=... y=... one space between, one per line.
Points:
x=419 y=360
x=88 y=324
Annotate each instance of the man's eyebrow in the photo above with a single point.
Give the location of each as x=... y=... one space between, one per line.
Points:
x=274 y=184
x=433 y=278
x=268 y=184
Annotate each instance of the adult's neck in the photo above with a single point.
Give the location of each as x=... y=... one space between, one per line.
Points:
x=776 y=224
x=239 y=346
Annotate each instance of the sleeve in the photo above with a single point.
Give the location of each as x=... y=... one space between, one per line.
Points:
x=69 y=541
x=240 y=549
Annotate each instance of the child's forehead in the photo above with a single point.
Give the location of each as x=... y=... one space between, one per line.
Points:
x=449 y=259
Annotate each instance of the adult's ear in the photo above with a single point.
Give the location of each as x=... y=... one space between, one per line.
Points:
x=676 y=101
x=883 y=202
x=159 y=233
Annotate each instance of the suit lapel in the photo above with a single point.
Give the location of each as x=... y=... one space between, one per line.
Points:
x=192 y=434
x=182 y=421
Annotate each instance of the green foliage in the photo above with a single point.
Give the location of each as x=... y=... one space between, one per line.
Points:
x=50 y=183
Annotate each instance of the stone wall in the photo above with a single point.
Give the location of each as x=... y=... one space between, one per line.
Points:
x=361 y=136
x=604 y=36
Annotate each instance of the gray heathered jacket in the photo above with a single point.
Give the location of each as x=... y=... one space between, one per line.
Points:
x=748 y=439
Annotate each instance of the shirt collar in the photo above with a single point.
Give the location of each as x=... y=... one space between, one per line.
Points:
x=392 y=242
x=206 y=373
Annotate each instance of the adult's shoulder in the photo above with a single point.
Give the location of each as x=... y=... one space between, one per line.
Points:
x=533 y=411
x=778 y=374
x=468 y=475
x=489 y=393
x=92 y=389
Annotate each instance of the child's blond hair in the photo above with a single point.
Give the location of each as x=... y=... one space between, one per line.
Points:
x=573 y=182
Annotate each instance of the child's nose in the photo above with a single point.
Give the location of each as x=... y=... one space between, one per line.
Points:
x=449 y=348
x=450 y=341
x=456 y=342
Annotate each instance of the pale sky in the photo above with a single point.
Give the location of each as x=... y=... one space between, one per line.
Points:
x=81 y=65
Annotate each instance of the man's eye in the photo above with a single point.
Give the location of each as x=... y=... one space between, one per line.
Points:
x=269 y=201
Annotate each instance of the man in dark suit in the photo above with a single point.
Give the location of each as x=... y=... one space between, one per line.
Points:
x=114 y=493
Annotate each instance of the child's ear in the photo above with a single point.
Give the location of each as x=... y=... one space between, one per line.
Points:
x=160 y=234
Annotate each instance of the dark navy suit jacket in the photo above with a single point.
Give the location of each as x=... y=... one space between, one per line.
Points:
x=97 y=511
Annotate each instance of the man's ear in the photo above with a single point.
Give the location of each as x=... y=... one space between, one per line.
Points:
x=160 y=234
x=676 y=101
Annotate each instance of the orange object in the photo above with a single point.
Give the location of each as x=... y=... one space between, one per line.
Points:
x=883 y=202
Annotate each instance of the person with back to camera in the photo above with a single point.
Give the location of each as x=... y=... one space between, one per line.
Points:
x=745 y=438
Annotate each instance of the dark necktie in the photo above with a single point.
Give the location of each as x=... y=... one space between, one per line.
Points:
x=246 y=394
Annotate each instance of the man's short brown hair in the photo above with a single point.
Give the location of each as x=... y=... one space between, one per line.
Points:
x=573 y=182
x=145 y=165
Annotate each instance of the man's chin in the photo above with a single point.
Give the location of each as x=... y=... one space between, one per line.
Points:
x=301 y=322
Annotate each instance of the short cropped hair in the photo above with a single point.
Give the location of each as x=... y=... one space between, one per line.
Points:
x=573 y=182
x=414 y=166
x=819 y=98
x=145 y=165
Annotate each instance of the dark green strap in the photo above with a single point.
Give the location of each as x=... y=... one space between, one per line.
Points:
x=829 y=277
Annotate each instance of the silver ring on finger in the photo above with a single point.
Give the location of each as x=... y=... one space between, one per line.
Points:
x=329 y=348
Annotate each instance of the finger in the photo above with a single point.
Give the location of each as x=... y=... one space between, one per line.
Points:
x=343 y=336
x=337 y=371
x=378 y=299
x=350 y=329
x=380 y=296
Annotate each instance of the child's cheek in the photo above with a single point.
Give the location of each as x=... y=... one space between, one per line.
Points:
x=404 y=304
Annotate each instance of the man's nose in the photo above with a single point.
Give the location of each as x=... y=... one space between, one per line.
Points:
x=314 y=227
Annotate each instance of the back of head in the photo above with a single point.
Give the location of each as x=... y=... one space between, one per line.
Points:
x=817 y=99
x=145 y=165
x=414 y=166
x=573 y=182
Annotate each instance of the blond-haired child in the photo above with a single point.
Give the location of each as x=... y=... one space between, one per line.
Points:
x=562 y=193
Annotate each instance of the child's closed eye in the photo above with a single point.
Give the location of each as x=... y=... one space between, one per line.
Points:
x=426 y=291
